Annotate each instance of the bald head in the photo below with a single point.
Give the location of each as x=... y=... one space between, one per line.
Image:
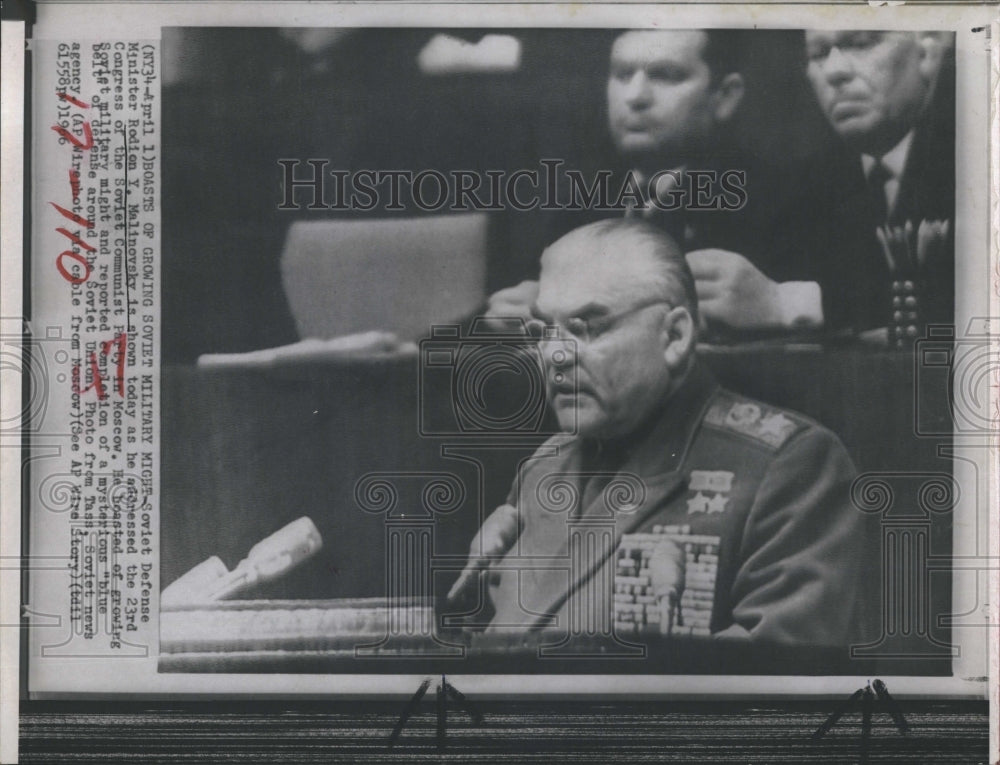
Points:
x=620 y=307
x=631 y=257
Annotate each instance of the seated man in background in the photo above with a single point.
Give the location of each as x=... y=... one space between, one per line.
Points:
x=762 y=493
x=672 y=97
x=890 y=97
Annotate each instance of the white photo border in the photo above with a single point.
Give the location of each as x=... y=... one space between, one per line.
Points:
x=977 y=129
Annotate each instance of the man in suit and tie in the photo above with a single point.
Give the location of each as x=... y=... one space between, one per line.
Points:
x=671 y=98
x=789 y=558
x=889 y=96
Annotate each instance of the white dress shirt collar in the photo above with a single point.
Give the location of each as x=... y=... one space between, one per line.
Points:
x=894 y=161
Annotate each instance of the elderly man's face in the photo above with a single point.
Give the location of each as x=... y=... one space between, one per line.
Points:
x=660 y=95
x=607 y=370
x=872 y=86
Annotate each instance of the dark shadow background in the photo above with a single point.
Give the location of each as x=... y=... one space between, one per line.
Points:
x=237 y=100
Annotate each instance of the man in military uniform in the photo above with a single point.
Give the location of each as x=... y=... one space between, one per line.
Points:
x=725 y=516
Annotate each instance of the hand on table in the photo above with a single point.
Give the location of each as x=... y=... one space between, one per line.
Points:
x=733 y=292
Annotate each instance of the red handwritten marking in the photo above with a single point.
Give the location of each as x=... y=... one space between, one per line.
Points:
x=73 y=216
x=121 y=340
x=65 y=272
x=76 y=240
x=85 y=144
x=74 y=101
x=88 y=137
x=97 y=379
x=74 y=184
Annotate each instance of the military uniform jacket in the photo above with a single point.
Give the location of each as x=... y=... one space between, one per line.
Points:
x=795 y=556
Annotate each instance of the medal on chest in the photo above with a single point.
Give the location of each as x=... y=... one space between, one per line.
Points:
x=708 y=491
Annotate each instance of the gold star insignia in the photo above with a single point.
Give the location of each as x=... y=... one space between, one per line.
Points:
x=717 y=504
x=698 y=503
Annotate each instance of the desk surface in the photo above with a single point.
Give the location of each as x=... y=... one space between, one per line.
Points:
x=376 y=636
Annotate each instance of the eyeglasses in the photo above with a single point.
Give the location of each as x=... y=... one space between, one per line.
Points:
x=583 y=330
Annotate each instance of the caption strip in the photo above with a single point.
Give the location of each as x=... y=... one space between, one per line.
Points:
x=94 y=336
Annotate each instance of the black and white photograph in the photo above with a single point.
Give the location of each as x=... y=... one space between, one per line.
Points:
x=608 y=354
x=577 y=350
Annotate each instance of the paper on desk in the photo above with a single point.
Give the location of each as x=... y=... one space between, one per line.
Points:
x=363 y=345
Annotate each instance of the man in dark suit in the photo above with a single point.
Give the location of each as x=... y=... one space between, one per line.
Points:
x=745 y=508
x=890 y=97
x=671 y=99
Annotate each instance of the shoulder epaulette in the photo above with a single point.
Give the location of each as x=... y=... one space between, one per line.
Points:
x=753 y=419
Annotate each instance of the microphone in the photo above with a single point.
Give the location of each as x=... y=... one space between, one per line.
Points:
x=267 y=560
x=494 y=539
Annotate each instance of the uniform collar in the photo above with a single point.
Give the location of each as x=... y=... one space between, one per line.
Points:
x=661 y=443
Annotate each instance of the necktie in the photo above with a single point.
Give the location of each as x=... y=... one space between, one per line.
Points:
x=670 y=220
x=876 y=192
x=633 y=210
